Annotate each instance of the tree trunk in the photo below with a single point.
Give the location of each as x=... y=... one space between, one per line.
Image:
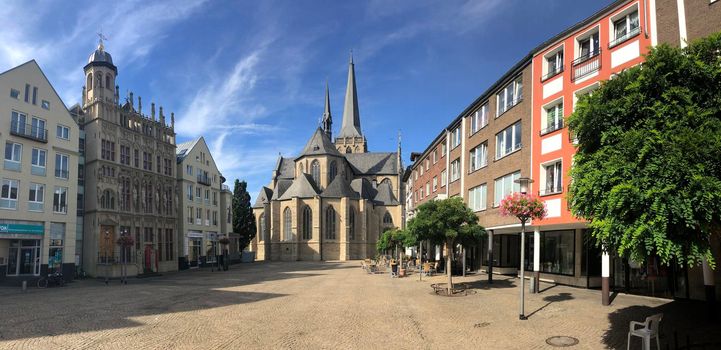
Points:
x=449 y=255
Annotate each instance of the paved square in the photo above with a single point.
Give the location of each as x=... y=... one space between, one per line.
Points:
x=328 y=305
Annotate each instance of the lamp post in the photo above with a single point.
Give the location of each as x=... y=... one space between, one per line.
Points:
x=524 y=183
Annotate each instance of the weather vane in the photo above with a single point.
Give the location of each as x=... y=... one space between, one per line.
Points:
x=100 y=40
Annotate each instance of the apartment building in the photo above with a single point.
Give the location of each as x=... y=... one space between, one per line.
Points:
x=199 y=220
x=39 y=178
x=521 y=120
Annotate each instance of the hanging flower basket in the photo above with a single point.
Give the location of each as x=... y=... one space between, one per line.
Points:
x=523 y=206
x=125 y=241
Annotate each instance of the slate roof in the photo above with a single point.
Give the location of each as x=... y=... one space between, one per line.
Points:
x=373 y=163
x=385 y=195
x=280 y=188
x=182 y=150
x=364 y=188
x=286 y=168
x=319 y=143
x=339 y=188
x=264 y=196
x=302 y=187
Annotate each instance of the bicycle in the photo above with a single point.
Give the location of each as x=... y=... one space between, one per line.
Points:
x=55 y=278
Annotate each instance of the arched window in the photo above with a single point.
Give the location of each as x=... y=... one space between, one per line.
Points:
x=99 y=79
x=387 y=219
x=332 y=171
x=315 y=172
x=89 y=83
x=301 y=169
x=287 y=225
x=107 y=200
x=108 y=84
x=330 y=223
x=351 y=224
x=261 y=227
x=348 y=150
x=387 y=181
x=307 y=223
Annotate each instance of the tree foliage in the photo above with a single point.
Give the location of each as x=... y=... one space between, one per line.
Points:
x=647 y=174
x=243 y=219
x=447 y=222
x=390 y=239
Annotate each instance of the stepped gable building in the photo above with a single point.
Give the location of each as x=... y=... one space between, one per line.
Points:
x=131 y=185
x=333 y=200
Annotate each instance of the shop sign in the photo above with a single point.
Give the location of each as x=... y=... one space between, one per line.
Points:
x=24 y=229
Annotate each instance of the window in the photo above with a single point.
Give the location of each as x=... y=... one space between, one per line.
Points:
x=508 y=140
x=478 y=156
x=330 y=223
x=427 y=164
x=387 y=219
x=107 y=200
x=168 y=168
x=27 y=92
x=197 y=193
x=169 y=244
x=625 y=28
x=63 y=132
x=15 y=93
x=13 y=154
x=351 y=223
x=46 y=105
x=421 y=168
x=554 y=118
x=60 y=200
x=421 y=193
x=415 y=175
x=190 y=214
x=510 y=96
x=287 y=225
x=189 y=169
x=36 y=196
x=124 y=155
x=428 y=188
x=504 y=186
x=479 y=119
x=9 y=194
x=435 y=183
x=307 y=223
x=588 y=46
x=456 y=138
x=149 y=198
x=455 y=170
x=332 y=171
x=124 y=202
x=552 y=178
x=190 y=192
x=444 y=177
x=137 y=158
x=35 y=95
x=554 y=64
x=147 y=161
x=315 y=172
x=557 y=252
x=443 y=149
x=157 y=164
x=435 y=156
x=61 y=166
x=477 y=198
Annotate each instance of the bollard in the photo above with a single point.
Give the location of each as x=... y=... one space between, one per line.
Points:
x=25 y=286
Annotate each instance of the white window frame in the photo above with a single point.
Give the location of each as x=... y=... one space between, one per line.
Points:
x=505 y=185
x=478 y=157
x=478 y=197
x=8 y=197
x=557 y=186
x=37 y=188
x=62 y=132
x=64 y=160
x=480 y=118
x=512 y=90
x=625 y=16
x=559 y=122
x=444 y=177
x=428 y=188
x=594 y=46
x=16 y=152
x=553 y=62
x=455 y=169
x=516 y=140
x=435 y=183
x=456 y=137
x=62 y=206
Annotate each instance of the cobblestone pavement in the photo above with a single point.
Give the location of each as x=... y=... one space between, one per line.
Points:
x=320 y=306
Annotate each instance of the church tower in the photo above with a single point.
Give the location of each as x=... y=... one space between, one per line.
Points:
x=100 y=89
x=327 y=119
x=351 y=139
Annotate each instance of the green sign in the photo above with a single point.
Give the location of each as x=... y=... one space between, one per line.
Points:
x=24 y=229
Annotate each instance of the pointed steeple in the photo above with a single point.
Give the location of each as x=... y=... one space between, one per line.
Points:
x=351 y=117
x=327 y=120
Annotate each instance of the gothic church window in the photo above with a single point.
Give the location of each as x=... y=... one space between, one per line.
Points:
x=387 y=219
x=261 y=227
x=348 y=150
x=108 y=84
x=315 y=172
x=351 y=224
x=89 y=83
x=107 y=200
x=332 y=171
x=330 y=223
x=307 y=223
x=287 y=222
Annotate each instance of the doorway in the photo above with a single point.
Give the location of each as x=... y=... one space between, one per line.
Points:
x=24 y=257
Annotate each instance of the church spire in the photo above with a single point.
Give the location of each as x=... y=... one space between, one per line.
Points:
x=327 y=119
x=351 y=117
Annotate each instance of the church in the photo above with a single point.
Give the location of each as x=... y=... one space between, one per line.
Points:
x=333 y=200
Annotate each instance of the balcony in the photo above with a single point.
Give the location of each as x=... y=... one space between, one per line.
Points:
x=550 y=190
x=204 y=180
x=552 y=72
x=553 y=127
x=28 y=131
x=586 y=65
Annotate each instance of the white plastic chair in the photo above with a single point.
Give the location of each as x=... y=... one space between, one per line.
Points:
x=648 y=331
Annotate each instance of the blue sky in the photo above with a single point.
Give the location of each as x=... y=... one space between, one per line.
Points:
x=249 y=75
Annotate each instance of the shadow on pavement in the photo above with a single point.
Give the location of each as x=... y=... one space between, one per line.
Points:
x=550 y=300
x=684 y=326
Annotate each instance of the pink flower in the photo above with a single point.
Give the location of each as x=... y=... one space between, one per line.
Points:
x=523 y=206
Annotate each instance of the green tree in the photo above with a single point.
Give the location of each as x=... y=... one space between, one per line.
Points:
x=647 y=173
x=243 y=219
x=448 y=222
x=394 y=239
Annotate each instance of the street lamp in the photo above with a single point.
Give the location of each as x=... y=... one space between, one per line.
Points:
x=524 y=183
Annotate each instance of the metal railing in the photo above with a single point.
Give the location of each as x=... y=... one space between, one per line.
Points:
x=552 y=73
x=553 y=127
x=204 y=180
x=586 y=64
x=63 y=174
x=28 y=131
x=624 y=37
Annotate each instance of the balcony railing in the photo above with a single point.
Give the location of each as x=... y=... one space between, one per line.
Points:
x=552 y=127
x=551 y=190
x=116 y=257
x=204 y=180
x=586 y=64
x=28 y=131
x=63 y=174
x=552 y=72
x=198 y=221
x=624 y=38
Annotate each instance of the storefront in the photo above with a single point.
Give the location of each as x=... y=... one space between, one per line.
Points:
x=21 y=248
x=195 y=246
x=211 y=248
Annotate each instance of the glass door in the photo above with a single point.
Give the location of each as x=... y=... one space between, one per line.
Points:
x=24 y=258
